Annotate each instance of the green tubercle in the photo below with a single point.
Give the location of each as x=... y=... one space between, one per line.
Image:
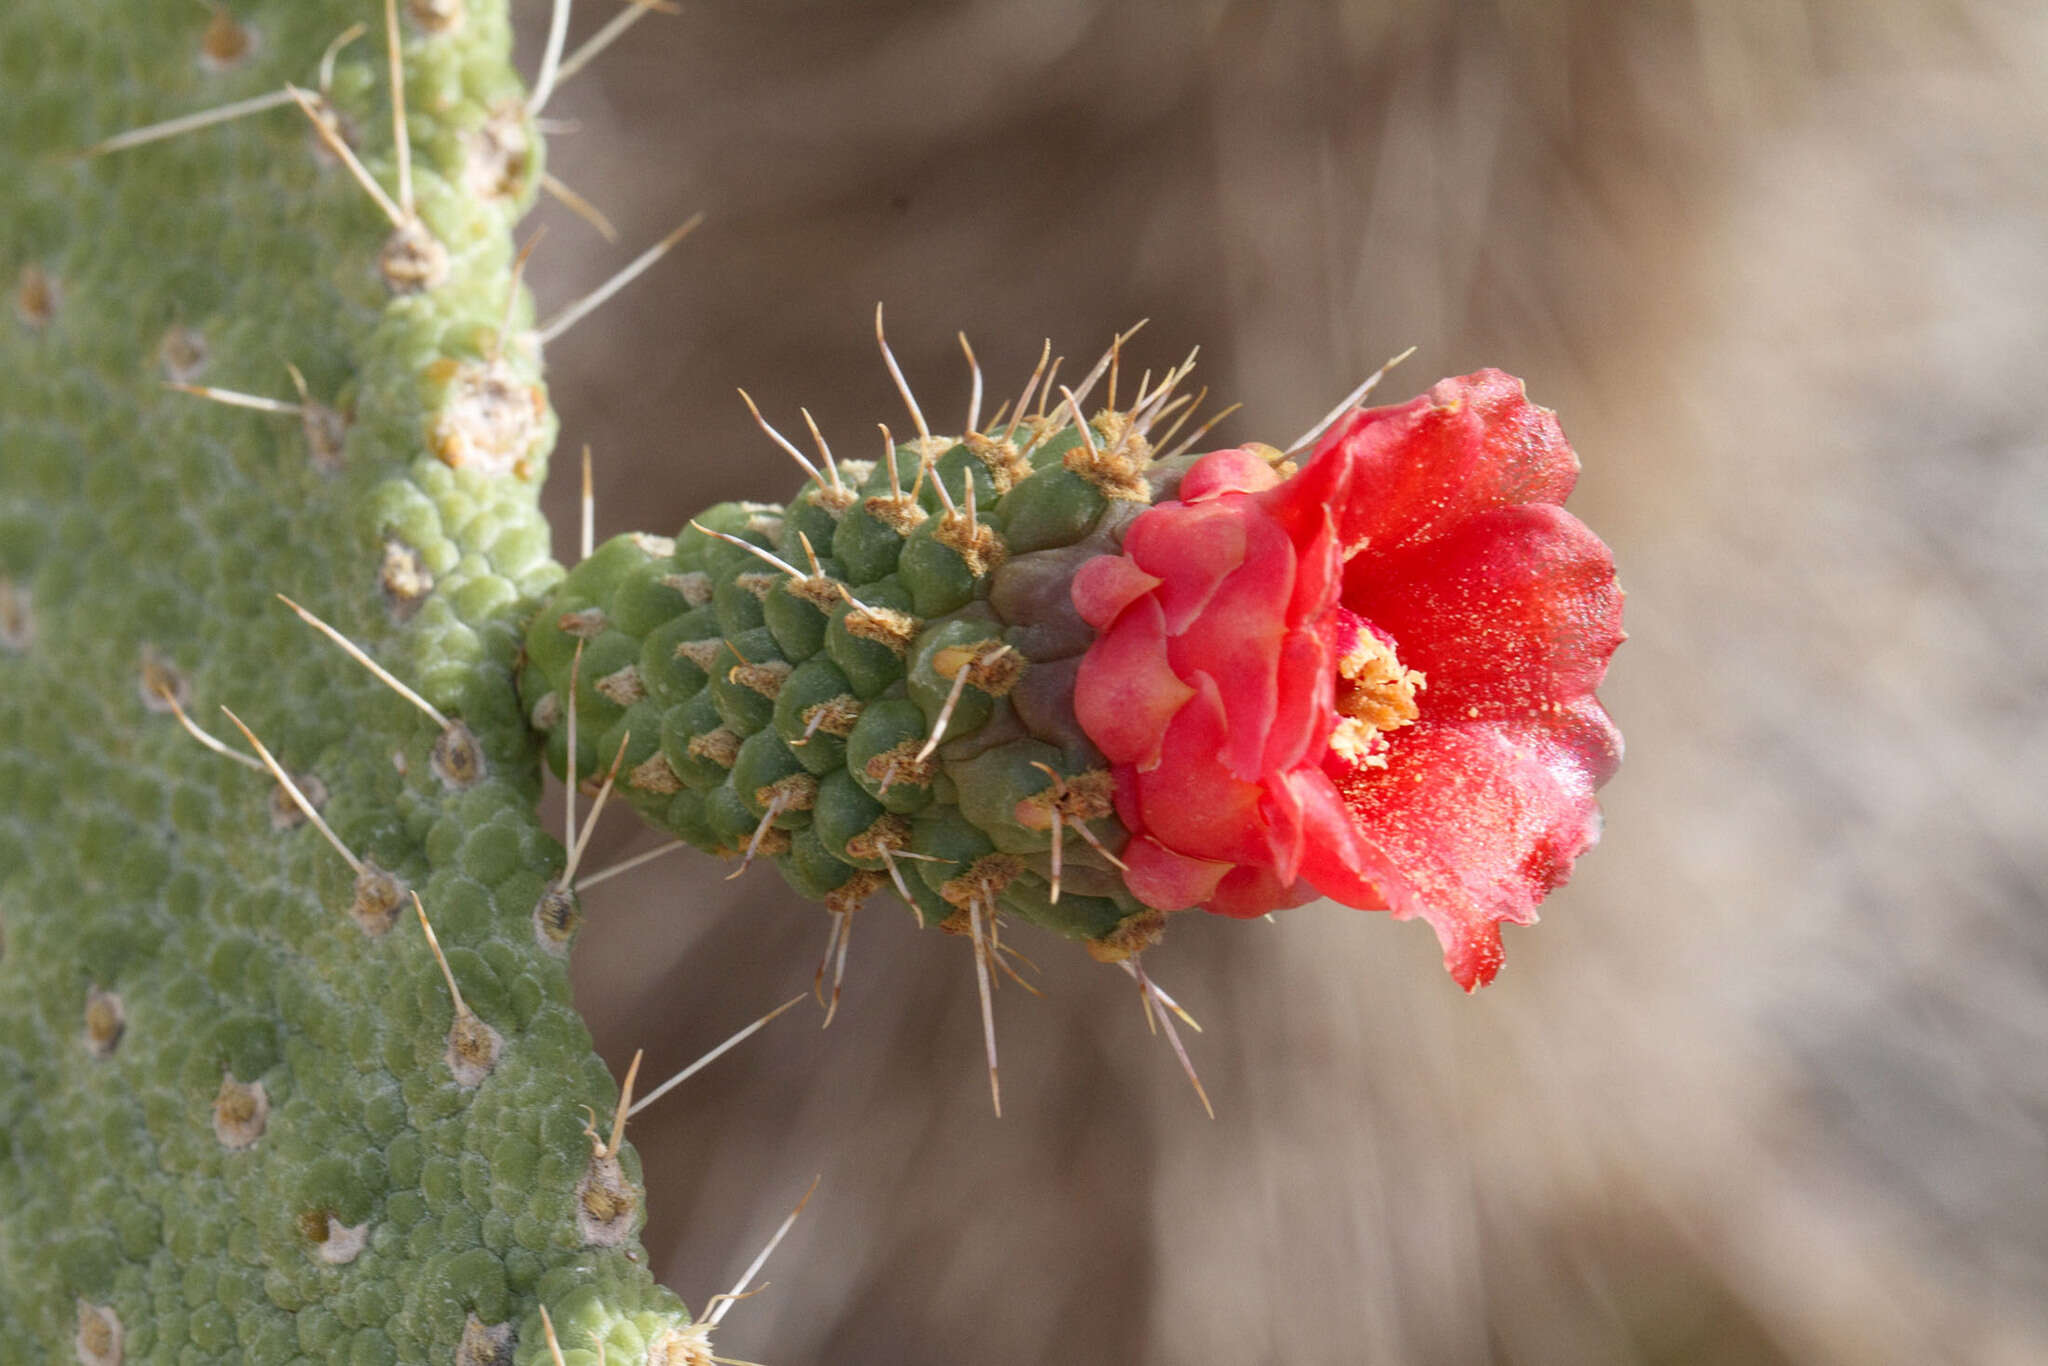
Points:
x=871 y=685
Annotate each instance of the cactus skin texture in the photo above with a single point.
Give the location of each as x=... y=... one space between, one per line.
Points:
x=765 y=711
x=229 y=1125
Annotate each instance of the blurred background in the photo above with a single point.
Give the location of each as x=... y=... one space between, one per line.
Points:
x=1770 y=1083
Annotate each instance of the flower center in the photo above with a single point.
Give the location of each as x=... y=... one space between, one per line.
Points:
x=1375 y=693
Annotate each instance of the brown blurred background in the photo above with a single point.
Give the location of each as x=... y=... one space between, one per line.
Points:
x=1770 y=1084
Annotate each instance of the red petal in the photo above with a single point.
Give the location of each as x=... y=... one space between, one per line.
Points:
x=1513 y=610
x=1107 y=584
x=1469 y=445
x=1192 y=550
x=1191 y=801
x=1476 y=823
x=1159 y=877
x=1125 y=692
x=1248 y=892
x=1232 y=471
x=1336 y=859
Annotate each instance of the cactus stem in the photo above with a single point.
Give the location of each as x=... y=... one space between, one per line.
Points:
x=1184 y=447
x=568 y=878
x=988 y=1016
x=551 y=58
x=377 y=670
x=581 y=308
x=304 y=803
x=575 y=203
x=974 y=392
x=606 y=36
x=325 y=132
x=1351 y=400
x=738 y=1038
x=1148 y=993
x=401 y=143
x=627 y=865
x=779 y=439
x=962 y=673
x=170 y=699
x=189 y=123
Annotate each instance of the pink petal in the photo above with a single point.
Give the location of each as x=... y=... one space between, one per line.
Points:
x=1469 y=445
x=1191 y=801
x=1513 y=610
x=1305 y=713
x=1159 y=877
x=1237 y=641
x=1107 y=584
x=1192 y=550
x=1125 y=692
x=1232 y=471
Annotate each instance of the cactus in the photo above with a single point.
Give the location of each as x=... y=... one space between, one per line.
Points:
x=242 y=1116
x=288 y=1066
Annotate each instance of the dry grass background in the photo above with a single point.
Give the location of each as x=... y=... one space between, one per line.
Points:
x=1771 y=1082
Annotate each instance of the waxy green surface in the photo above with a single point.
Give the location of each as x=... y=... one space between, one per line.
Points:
x=141 y=524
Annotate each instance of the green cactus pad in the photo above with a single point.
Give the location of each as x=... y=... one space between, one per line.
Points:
x=240 y=1116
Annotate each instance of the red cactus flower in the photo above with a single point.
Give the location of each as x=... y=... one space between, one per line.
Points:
x=1371 y=680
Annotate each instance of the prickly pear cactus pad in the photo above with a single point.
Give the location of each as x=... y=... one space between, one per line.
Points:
x=242 y=1117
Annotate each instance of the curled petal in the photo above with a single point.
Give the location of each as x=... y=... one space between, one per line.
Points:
x=1232 y=471
x=1247 y=892
x=1159 y=877
x=1107 y=584
x=1192 y=550
x=1125 y=691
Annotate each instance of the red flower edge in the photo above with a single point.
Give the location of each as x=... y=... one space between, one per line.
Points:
x=1370 y=680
